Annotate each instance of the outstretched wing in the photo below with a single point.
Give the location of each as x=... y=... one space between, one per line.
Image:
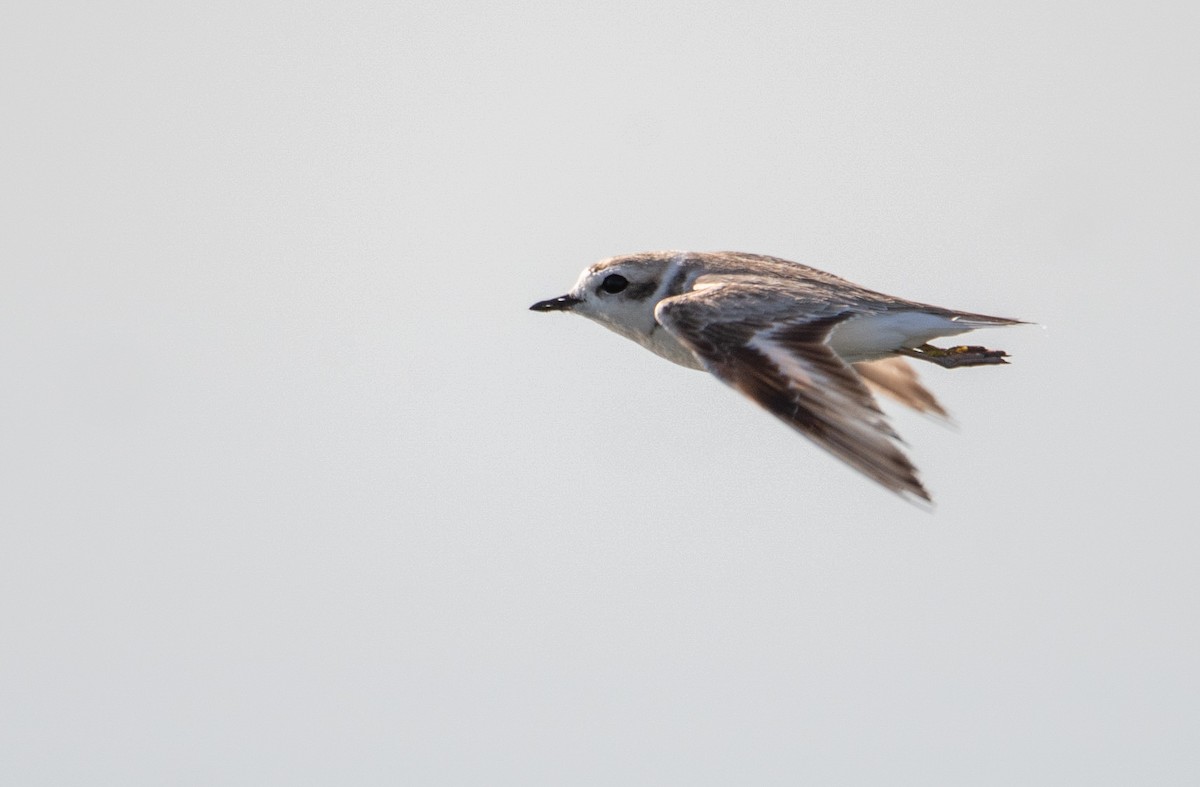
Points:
x=776 y=353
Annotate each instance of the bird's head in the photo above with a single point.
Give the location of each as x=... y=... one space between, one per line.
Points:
x=620 y=293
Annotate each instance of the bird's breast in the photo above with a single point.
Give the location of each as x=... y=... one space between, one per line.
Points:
x=660 y=342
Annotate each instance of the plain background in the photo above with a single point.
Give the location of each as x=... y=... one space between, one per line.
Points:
x=297 y=491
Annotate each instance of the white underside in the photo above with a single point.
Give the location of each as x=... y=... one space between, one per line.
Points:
x=874 y=336
x=866 y=338
x=661 y=342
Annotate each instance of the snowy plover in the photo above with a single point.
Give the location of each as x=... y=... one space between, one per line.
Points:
x=804 y=344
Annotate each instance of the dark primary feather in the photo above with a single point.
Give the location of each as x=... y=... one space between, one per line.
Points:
x=788 y=368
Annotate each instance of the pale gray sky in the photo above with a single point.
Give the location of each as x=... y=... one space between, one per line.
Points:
x=299 y=492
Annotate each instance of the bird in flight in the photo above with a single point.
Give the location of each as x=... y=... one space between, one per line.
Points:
x=806 y=345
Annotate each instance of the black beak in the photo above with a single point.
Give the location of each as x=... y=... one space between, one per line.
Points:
x=560 y=304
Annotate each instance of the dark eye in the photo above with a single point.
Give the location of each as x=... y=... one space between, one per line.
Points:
x=614 y=283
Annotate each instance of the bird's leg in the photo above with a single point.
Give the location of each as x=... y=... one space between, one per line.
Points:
x=953 y=357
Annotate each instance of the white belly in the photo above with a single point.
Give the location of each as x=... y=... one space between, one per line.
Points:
x=866 y=338
x=874 y=336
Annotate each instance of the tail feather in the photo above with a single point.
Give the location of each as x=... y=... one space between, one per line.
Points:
x=896 y=378
x=985 y=320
